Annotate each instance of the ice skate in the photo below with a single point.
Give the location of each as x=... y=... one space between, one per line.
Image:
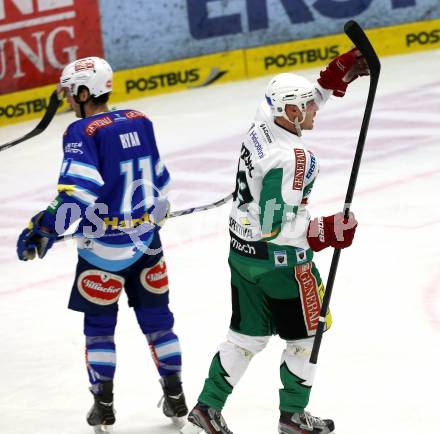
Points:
x=102 y=414
x=173 y=400
x=204 y=419
x=304 y=423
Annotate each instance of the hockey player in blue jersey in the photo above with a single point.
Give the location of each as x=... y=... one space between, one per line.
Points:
x=112 y=178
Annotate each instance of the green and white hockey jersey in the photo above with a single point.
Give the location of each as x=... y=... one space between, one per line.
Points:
x=275 y=176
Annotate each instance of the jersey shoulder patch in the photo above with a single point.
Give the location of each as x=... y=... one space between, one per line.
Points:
x=312 y=167
x=93 y=125
x=260 y=138
x=134 y=114
x=267 y=134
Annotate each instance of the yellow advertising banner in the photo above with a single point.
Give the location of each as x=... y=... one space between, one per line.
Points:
x=136 y=83
x=179 y=75
x=230 y=66
x=273 y=59
x=26 y=104
x=290 y=56
x=406 y=38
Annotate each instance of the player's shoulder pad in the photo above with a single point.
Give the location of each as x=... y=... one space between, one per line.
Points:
x=76 y=127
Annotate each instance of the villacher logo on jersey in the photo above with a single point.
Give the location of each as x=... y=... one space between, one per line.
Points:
x=39 y=37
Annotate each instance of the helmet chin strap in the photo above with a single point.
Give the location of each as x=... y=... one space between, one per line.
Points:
x=82 y=110
x=296 y=123
x=81 y=106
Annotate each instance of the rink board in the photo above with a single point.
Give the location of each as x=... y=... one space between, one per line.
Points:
x=232 y=65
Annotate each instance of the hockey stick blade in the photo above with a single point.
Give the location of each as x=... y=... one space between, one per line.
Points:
x=360 y=40
x=354 y=31
x=52 y=108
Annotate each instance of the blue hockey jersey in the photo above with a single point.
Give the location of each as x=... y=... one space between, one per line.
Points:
x=113 y=172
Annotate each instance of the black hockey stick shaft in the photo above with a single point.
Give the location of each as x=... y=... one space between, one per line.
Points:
x=54 y=103
x=360 y=40
x=172 y=214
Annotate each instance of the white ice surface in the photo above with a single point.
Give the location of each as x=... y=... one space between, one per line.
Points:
x=378 y=370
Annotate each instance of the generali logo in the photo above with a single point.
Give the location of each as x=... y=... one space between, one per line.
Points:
x=98 y=123
x=39 y=37
x=308 y=290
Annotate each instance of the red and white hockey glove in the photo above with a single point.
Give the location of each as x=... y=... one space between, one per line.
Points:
x=342 y=71
x=332 y=231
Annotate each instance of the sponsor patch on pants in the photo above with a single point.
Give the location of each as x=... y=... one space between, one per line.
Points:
x=250 y=249
x=100 y=287
x=280 y=258
x=309 y=293
x=301 y=255
x=155 y=279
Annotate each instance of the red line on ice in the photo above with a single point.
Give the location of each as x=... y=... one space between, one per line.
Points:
x=34 y=284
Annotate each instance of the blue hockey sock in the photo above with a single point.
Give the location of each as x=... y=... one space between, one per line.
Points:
x=100 y=348
x=165 y=349
x=156 y=324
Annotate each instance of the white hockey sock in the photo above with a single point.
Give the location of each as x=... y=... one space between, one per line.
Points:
x=237 y=352
x=296 y=356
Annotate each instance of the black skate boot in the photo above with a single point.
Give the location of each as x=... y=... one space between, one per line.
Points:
x=174 y=404
x=304 y=423
x=205 y=419
x=102 y=414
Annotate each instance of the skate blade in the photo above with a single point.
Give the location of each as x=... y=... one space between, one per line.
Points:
x=190 y=428
x=103 y=429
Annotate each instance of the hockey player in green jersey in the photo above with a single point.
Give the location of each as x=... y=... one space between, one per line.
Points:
x=276 y=287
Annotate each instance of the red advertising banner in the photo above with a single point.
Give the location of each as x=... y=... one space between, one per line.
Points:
x=39 y=37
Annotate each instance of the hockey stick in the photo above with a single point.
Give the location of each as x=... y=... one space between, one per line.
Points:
x=202 y=208
x=360 y=40
x=54 y=103
x=172 y=214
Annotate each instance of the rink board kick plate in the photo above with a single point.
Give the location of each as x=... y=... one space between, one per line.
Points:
x=231 y=66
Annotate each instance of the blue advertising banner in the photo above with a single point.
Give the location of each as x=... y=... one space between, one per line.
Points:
x=146 y=32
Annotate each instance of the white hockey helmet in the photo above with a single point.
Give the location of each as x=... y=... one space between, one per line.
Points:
x=288 y=88
x=92 y=72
